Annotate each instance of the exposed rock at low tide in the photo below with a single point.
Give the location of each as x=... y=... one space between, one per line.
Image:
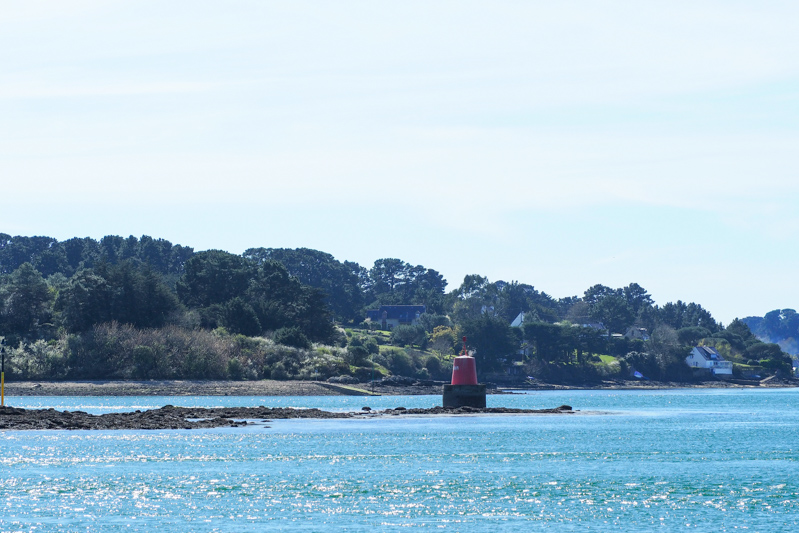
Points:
x=563 y=409
x=167 y=417
x=170 y=417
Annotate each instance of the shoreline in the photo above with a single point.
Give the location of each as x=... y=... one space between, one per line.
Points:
x=317 y=388
x=664 y=385
x=171 y=417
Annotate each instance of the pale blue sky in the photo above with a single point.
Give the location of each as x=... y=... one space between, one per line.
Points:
x=561 y=144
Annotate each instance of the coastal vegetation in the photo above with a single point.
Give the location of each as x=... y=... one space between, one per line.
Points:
x=130 y=308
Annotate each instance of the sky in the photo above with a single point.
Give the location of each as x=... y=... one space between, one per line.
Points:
x=559 y=144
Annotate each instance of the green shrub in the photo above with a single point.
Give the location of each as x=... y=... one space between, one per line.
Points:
x=364 y=374
x=400 y=363
x=358 y=355
x=144 y=359
x=239 y=317
x=433 y=365
x=279 y=372
x=292 y=336
x=444 y=340
x=423 y=373
x=371 y=345
x=430 y=321
x=114 y=351
x=37 y=360
x=235 y=370
x=409 y=336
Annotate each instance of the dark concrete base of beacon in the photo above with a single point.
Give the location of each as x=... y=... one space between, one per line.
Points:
x=464 y=396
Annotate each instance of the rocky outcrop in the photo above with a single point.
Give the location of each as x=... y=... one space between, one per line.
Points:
x=171 y=417
x=167 y=417
x=465 y=410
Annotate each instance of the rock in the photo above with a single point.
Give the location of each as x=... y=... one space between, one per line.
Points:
x=366 y=408
x=343 y=380
x=397 y=381
x=171 y=417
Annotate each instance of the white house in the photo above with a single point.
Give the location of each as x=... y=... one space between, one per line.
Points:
x=707 y=357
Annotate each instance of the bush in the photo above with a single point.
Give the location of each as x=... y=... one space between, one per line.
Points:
x=339 y=338
x=430 y=321
x=360 y=349
x=358 y=355
x=433 y=365
x=114 y=351
x=371 y=345
x=400 y=363
x=235 y=369
x=320 y=365
x=773 y=364
x=144 y=360
x=444 y=340
x=565 y=372
x=292 y=336
x=38 y=360
x=380 y=359
x=663 y=367
x=364 y=374
x=279 y=372
x=239 y=317
x=409 y=336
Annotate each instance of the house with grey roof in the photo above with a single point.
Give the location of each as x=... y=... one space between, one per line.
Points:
x=391 y=316
x=518 y=321
x=637 y=333
x=709 y=358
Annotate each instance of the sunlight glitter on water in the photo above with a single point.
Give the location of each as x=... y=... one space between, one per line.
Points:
x=608 y=472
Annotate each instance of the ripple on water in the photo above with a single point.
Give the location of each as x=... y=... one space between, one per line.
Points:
x=710 y=472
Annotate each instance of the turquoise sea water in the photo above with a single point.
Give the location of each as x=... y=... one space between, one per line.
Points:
x=700 y=460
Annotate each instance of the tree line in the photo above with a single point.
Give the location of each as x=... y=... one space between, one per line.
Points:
x=50 y=289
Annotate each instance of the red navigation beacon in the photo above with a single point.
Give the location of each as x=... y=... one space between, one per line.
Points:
x=464 y=370
x=464 y=391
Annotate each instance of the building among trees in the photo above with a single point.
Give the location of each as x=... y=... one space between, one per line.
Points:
x=709 y=358
x=391 y=316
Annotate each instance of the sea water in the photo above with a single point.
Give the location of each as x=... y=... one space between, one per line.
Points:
x=699 y=460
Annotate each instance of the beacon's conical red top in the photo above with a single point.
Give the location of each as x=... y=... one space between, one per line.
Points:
x=464 y=369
